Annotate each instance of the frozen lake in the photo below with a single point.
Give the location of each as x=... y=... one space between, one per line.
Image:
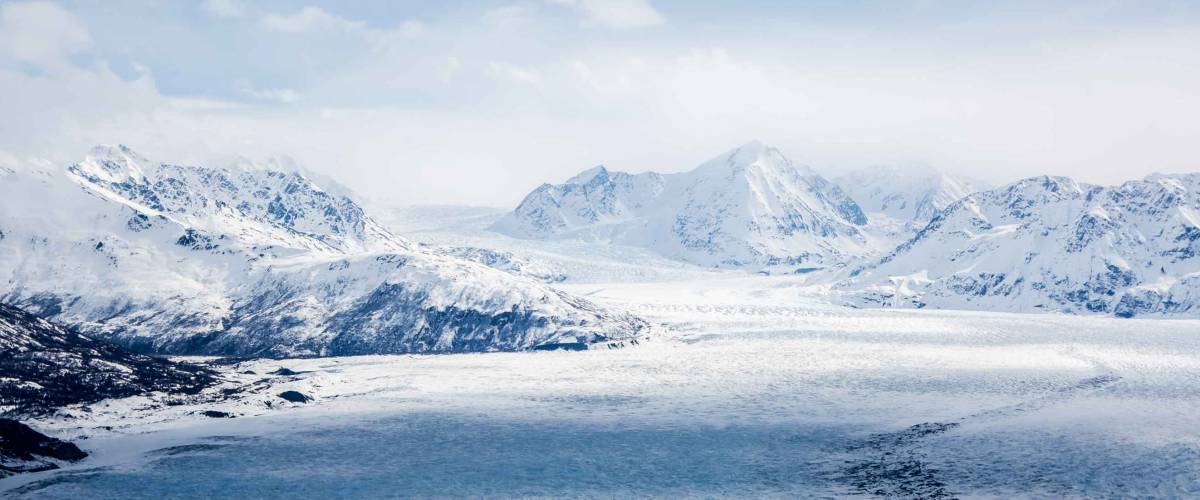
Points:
x=751 y=388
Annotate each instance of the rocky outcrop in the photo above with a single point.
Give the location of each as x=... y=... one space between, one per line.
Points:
x=23 y=449
x=45 y=366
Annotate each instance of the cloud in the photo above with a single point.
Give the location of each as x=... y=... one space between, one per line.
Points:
x=310 y=19
x=514 y=72
x=508 y=17
x=539 y=102
x=617 y=14
x=40 y=33
x=224 y=8
x=279 y=95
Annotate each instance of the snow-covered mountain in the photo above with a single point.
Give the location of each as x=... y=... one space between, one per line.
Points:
x=907 y=196
x=504 y=261
x=1051 y=243
x=185 y=259
x=748 y=207
x=260 y=205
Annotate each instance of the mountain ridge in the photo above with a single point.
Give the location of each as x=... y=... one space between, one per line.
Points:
x=750 y=206
x=1052 y=243
x=174 y=259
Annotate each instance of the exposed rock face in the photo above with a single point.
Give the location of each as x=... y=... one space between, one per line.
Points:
x=750 y=207
x=1051 y=243
x=44 y=366
x=294 y=397
x=23 y=449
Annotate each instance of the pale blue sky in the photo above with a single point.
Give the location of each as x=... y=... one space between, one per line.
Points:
x=477 y=102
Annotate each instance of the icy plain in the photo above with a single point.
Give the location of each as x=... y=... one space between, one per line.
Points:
x=750 y=386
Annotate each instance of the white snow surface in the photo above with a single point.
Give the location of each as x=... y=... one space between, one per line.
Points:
x=785 y=394
x=908 y=194
x=748 y=385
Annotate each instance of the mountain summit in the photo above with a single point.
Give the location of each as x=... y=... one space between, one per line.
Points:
x=748 y=207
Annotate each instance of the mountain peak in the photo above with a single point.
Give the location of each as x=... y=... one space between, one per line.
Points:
x=749 y=206
x=113 y=164
x=754 y=145
x=750 y=152
x=589 y=175
x=744 y=156
x=115 y=152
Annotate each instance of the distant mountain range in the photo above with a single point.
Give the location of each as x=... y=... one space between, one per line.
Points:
x=248 y=260
x=263 y=260
x=899 y=237
x=748 y=207
x=1051 y=243
x=904 y=199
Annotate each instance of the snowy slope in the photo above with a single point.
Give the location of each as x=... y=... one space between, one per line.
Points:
x=748 y=207
x=184 y=259
x=1050 y=243
x=905 y=193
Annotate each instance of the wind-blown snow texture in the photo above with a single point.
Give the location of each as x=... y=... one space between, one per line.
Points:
x=749 y=207
x=753 y=389
x=251 y=261
x=1051 y=243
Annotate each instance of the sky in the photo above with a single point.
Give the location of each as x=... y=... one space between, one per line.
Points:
x=478 y=102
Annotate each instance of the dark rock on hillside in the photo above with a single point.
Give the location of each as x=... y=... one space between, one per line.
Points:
x=294 y=397
x=23 y=449
x=44 y=366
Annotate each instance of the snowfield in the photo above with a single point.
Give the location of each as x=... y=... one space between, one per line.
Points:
x=749 y=386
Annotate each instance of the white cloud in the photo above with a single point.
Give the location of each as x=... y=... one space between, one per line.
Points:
x=309 y=19
x=448 y=68
x=411 y=29
x=508 y=17
x=40 y=33
x=618 y=14
x=312 y=19
x=385 y=39
x=1105 y=108
x=514 y=72
x=224 y=8
x=280 y=95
